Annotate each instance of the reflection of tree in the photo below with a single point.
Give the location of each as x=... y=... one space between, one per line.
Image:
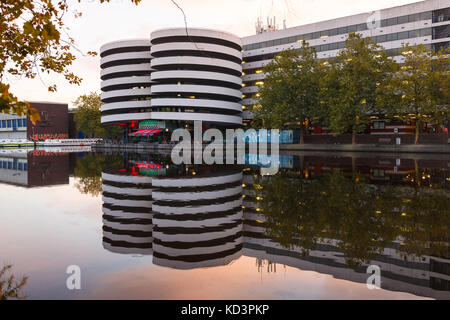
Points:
x=422 y=220
x=349 y=209
x=9 y=286
x=363 y=218
x=287 y=206
x=89 y=171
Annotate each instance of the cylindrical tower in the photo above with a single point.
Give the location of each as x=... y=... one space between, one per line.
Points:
x=196 y=76
x=125 y=74
x=198 y=219
x=127 y=213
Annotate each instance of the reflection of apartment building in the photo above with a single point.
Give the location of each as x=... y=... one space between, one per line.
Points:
x=197 y=217
x=53 y=123
x=14 y=167
x=34 y=168
x=424 y=276
x=127 y=213
x=185 y=222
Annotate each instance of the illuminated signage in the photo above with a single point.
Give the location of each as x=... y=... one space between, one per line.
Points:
x=152 y=124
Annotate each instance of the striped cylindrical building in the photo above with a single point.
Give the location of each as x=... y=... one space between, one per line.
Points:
x=178 y=76
x=127 y=213
x=198 y=220
x=197 y=76
x=126 y=82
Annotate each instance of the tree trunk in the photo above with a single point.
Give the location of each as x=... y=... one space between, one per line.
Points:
x=418 y=124
x=353 y=136
x=416 y=172
x=302 y=163
x=302 y=134
x=353 y=167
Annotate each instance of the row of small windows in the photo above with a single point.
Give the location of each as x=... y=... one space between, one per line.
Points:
x=338 y=31
x=441 y=15
x=341 y=45
x=13 y=165
x=124 y=111
x=189 y=109
x=13 y=123
x=380 y=39
x=174 y=109
x=389 y=52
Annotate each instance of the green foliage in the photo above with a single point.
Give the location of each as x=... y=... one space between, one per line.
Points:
x=290 y=89
x=32 y=41
x=10 y=103
x=10 y=288
x=354 y=78
x=88 y=117
x=88 y=172
x=419 y=90
x=363 y=218
x=343 y=92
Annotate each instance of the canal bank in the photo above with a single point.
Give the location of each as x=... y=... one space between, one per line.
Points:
x=373 y=148
x=406 y=148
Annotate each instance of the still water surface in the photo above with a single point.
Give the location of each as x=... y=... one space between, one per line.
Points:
x=142 y=228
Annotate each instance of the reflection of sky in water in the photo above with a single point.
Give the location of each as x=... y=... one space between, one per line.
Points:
x=46 y=229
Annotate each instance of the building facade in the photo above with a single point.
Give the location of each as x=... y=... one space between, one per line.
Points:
x=34 y=168
x=178 y=75
x=425 y=22
x=53 y=124
x=172 y=79
x=13 y=126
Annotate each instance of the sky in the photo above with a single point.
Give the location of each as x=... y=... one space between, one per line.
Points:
x=120 y=19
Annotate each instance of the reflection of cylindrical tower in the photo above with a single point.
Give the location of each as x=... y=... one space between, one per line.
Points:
x=198 y=220
x=127 y=213
x=126 y=81
x=197 y=76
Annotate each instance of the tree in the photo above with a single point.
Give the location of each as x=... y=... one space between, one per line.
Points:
x=32 y=41
x=290 y=89
x=88 y=172
x=360 y=218
x=304 y=213
x=88 y=117
x=419 y=91
x=353 y=82
x=288 y=205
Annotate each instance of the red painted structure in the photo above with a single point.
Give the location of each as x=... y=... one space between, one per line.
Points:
x=54 y=123
x=48 y=168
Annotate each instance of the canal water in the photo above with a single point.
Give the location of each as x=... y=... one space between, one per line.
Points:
x=139 y=227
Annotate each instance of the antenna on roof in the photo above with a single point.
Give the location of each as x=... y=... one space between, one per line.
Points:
x=269 y=27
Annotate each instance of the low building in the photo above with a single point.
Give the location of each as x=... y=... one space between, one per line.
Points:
x=13 y=126
x=53 y=124
x=74 y=133
x=36 y=168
